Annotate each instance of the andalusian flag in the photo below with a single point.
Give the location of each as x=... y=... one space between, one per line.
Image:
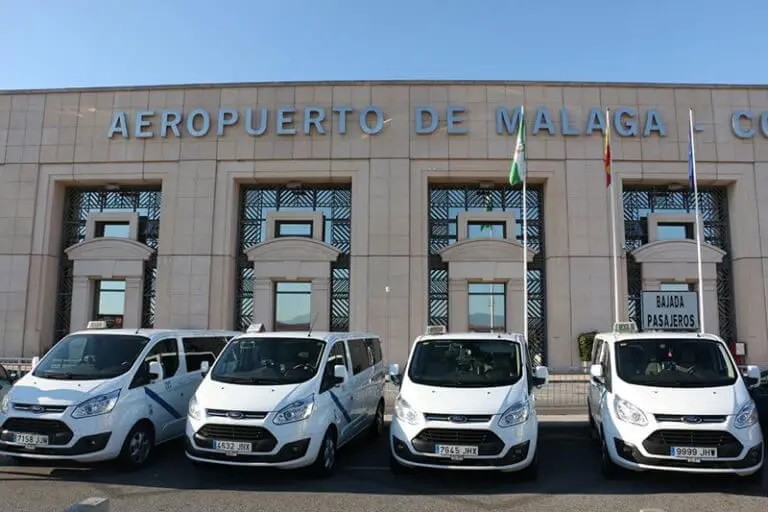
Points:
x=517 y=171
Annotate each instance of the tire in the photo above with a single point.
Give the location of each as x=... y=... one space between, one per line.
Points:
x=138 y=447
x=395 y=467
x=609 y=469
x=531 y=473
x=377 y=427
x=325 y=463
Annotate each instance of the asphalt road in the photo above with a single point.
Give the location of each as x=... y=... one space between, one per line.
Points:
x=569 y=481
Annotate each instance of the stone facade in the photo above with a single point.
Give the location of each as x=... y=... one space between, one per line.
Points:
x=413 y=135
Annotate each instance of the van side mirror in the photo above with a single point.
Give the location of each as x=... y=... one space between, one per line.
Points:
x=540 y=376
x=394 y=373
x=204 y=366
x=155 y=371
x=340 y=374
x=35 y=360
x=753 y=376
x=596 y=371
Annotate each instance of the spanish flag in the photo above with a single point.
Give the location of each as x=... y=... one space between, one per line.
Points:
x=607 y=149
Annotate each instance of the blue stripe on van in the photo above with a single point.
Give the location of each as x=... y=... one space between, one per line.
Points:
x=341 y=407
x=162 y=403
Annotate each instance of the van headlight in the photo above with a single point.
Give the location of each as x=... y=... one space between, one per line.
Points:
x=97 y=405
x=406 y=413
x=516 y=414
x=747 y=415
x=4 y=404
x=629 y=413
x=194 y=412
x=297 y=411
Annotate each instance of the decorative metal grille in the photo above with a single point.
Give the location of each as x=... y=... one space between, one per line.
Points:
x=79 y=202
x=445 y=203
x=335 y=201
x=713 y=208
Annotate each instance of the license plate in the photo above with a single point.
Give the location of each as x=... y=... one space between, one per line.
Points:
x=232 y=447
x=689 y=452
x=30 y=439
x=456 y=452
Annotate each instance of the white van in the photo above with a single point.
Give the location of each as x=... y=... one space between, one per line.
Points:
x=467 y=402
x=103 y=394
x=673 y=402
x=287 y=399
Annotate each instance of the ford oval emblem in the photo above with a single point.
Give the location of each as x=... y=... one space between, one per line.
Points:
x=458 y=419
x=36 y=408
x=691 y=419
x=235 y=414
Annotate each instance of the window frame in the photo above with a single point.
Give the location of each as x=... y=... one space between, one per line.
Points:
x=279 y=223
x=688 y=226
x=491 y=223
x=502 y=294
x=276 y=293
x=100 y=225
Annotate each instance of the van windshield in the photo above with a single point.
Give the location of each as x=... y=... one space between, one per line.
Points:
x=269 y=361
x=91 y=356
x=466 y=363
x=674 y=363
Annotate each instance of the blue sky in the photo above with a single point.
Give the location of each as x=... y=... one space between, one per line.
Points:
x=76 y=43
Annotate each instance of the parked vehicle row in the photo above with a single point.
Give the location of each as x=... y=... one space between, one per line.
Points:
x=466 y=401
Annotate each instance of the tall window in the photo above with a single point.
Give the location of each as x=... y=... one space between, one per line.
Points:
x=334 y=201
x=110 y=301
x=445 y=203
x=639 y=202
x=487 y=307
x=79 y=202
x=293 y=310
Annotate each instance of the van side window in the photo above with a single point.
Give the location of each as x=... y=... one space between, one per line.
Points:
x=360 y=355
x=197 y=350
x=166 y=352
x=596 y=346
x=605 y=360
x=374 y=347
x=338 y=355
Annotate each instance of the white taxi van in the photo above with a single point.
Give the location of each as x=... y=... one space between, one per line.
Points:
x=467 y=402
x=102 y=394
x=672 y=401
x=287 y=399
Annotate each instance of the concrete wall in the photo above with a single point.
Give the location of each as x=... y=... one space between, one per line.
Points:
x=52 y=139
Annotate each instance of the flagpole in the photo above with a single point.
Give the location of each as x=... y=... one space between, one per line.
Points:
x=614 y=243
x=525 y=231
x=692 y=171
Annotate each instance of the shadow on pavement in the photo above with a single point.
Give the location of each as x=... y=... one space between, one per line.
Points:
x=569 y=464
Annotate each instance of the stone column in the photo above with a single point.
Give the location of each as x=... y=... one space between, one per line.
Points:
x=82 y=303
x=458 y=305
x=263 y=307
x=320 y=304
x=515 y=304
x=134 y=295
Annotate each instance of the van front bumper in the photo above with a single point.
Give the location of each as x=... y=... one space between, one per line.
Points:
x=740 y=451
x=499 y=449
x=288 y=446
x=82 y=440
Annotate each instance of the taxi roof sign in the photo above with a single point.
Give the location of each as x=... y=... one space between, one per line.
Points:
x=256 y=328
x=435 y=329
x=96 y=324
x=624 y=327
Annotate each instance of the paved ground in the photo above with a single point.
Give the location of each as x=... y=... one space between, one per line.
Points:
x=569 y=480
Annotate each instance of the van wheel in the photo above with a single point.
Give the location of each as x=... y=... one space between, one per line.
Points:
x=137 y=448
x=377 y=427
x=531 y=473
x=395 y=467
x=609 y=469
x=325 y=463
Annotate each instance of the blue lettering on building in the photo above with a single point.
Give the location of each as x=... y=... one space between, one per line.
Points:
x=451 y=120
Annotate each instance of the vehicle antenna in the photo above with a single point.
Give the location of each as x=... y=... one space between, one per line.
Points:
x=312 y=324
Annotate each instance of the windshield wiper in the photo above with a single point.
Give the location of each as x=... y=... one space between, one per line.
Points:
x=248 y=380
x=58 y=375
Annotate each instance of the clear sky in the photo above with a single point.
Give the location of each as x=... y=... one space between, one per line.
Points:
x=74 y=43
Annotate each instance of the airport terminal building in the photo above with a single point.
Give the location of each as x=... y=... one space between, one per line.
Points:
x=381 y=207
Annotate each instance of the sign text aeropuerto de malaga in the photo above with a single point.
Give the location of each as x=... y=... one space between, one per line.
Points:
x=256 y=122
